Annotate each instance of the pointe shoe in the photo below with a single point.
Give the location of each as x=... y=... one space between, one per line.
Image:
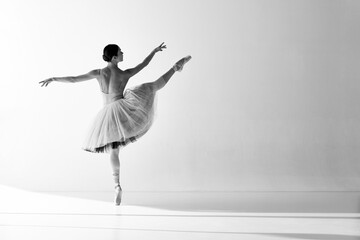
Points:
x=118 y=194
x=180 y=64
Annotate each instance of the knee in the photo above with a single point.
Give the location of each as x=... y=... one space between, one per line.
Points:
x=160 y=83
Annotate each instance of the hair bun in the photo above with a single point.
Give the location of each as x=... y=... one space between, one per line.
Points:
x=110 y=51
x=106 y=58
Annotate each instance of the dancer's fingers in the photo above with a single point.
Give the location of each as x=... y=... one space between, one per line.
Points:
x=44 y=82
x=160 y=48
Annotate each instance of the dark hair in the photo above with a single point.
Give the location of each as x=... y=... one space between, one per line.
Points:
x=110 y=51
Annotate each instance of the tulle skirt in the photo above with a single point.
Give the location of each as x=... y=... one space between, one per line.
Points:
x=123 y=119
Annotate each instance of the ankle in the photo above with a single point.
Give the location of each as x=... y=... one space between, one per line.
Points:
x=175 y=68
x=116 y=178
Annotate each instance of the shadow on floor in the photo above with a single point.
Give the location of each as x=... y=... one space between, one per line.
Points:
x=263 y=202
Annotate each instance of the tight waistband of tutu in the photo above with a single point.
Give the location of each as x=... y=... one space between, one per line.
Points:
x=111 y=97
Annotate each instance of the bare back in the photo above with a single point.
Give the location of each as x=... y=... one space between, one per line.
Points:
x=112 y=80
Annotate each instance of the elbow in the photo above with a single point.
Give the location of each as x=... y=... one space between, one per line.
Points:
x=70 y=79
x=145 y=63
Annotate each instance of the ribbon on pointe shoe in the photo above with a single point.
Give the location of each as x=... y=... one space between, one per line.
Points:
x=180 y=64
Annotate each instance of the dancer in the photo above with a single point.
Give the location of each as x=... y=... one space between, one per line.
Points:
x=125 y=116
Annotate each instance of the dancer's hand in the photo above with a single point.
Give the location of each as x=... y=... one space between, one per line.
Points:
x=46 y=82
x=159 y=48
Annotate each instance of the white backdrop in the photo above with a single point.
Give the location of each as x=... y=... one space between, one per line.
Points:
x=269 y=101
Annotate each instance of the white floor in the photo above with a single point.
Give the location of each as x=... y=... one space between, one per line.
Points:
x=176 y=215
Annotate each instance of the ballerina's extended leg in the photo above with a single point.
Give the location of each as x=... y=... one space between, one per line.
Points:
x=178 y=66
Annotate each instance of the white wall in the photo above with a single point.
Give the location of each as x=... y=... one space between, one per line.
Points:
x=269 y=101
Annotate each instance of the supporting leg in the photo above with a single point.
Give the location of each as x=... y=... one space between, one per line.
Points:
x=115 y=164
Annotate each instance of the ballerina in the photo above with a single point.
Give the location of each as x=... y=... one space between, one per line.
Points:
x=126 y=115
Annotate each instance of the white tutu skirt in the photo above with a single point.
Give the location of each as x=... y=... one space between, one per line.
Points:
x=123 y=119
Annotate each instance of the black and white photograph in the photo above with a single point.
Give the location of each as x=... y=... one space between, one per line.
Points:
x=191 y=120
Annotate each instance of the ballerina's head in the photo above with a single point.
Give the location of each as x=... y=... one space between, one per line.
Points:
x=112 y=53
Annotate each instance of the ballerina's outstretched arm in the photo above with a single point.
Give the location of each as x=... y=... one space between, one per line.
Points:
x=90 y=75
x=132 y=71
